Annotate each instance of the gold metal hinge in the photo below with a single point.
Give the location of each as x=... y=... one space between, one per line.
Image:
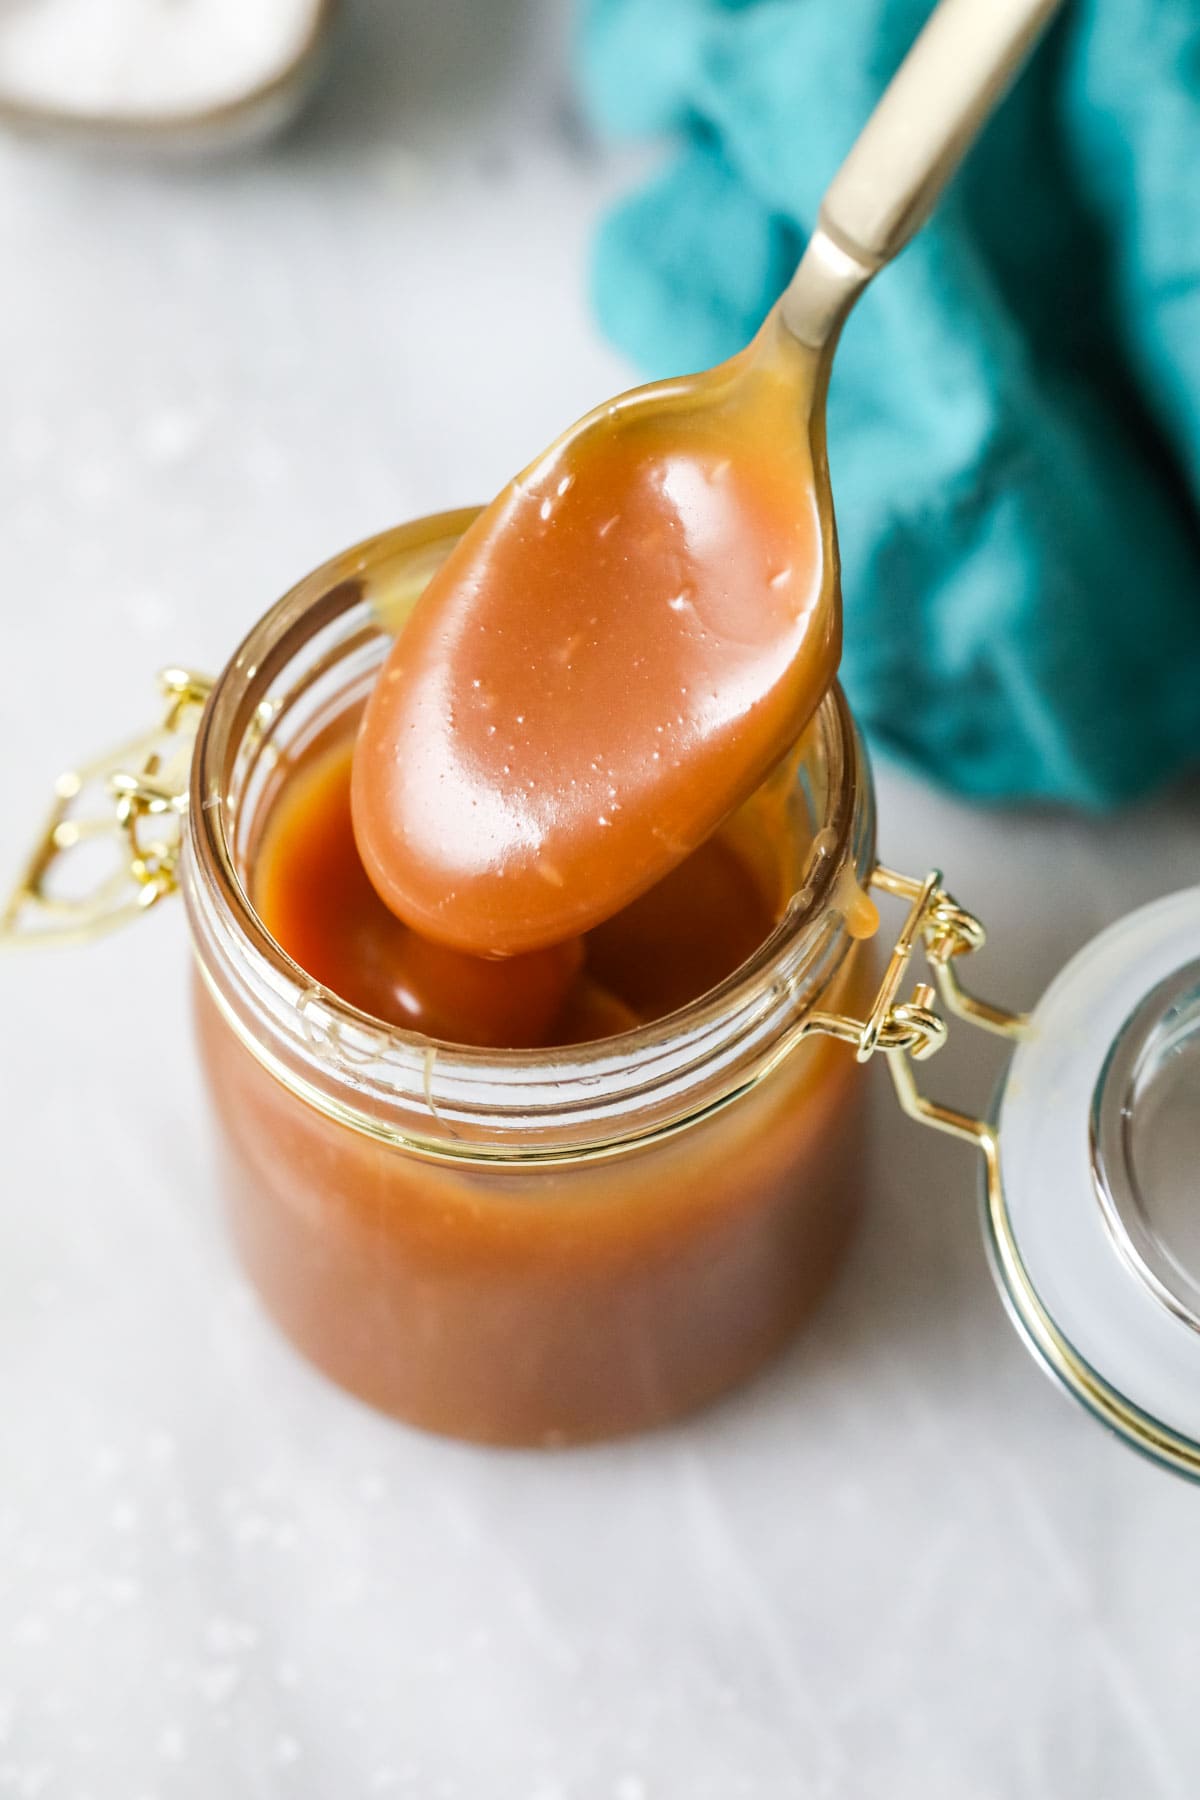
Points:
x=110 y=846
x=908 y=1031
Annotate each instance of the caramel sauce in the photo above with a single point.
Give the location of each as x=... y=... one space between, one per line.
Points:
x=610 y=660
x=670 y=946
x=543 y=1306
x=524 y=1304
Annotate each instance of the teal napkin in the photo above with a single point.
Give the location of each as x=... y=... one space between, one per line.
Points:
x=1014 y=421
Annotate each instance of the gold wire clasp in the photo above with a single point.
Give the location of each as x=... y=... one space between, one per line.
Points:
x=110 y=846
x=912 y=1030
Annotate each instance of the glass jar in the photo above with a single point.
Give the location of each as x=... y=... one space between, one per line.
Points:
x=523 y=1246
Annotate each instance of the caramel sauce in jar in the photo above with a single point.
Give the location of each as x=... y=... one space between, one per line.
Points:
x=634 y=1193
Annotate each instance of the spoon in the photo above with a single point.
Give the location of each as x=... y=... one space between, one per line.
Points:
x=628 y=638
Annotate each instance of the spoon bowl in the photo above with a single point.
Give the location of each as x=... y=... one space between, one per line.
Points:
x=609 y=661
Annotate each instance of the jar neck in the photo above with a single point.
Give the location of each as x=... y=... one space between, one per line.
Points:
x=317 y=652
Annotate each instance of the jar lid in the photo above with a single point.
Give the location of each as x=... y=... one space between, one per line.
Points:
x=1093 y=1212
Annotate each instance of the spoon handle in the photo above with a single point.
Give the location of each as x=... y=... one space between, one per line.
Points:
x=930 y=113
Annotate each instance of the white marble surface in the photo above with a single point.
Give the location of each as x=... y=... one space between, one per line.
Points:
x=900 y=1565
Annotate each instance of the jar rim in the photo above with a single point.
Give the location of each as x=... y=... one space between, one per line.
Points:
x=344 y=1035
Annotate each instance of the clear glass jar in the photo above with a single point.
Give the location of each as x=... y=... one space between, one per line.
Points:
x=523 y=1246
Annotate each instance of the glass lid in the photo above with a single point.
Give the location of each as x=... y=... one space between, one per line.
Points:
x=1145 y=1142
x=1095 y=1220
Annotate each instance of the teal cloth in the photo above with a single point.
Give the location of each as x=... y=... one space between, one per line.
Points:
x=1014 y=421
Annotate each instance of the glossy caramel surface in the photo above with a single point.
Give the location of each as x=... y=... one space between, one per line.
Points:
x=666 y=948
x=607 y=664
